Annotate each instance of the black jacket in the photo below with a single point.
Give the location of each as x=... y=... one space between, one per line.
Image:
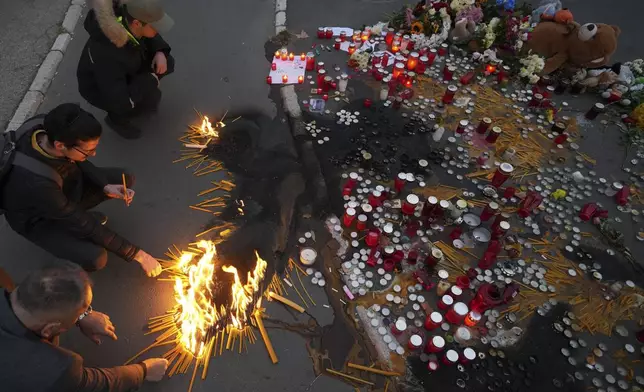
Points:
x=114 y=73
x=31 y=364
x=29 y=198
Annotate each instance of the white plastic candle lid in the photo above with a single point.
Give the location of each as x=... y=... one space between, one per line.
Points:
x=493 y=205
x=432 y=200
x=447 y=299
x=308 y=256
x=412 y=199
x=410 y=177
x=444 y=203
x=437 y=253
x=353 y=175
x=401 y=325
x=504 y=225
x=461 y=204
x=420 y=299
x=460 y=308
x=432 y=365
x=474 y=315
x=376 y=194
x=400 y=350
x=385 y=312
x=366 y=208
x=375 y=322
x=389 y=250
x=389 y=297
x=438 y=341
x=436 y=317
x=416 y=340
x=362 y=218
x=397 y=288
x=506 y=167
x=351 y=211
x=463 y=333
x=451 y=355
x=389 y=228
x=443 y=274
x=469 y=354
x=402 y=176
x=456 y=291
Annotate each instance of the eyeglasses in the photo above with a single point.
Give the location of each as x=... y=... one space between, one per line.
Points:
x=86 y=153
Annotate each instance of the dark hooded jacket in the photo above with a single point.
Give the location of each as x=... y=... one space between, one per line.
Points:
x=29 y=199
x=114 y=71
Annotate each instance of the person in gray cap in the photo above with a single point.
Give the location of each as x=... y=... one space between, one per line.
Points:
x=124 y=60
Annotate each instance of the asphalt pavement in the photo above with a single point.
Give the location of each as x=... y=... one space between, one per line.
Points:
x=27 y=31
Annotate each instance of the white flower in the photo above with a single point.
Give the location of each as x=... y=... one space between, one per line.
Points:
x=534 y=79
x=518 y=45
x=443 y=12
x=432 y=12
x=523 y=72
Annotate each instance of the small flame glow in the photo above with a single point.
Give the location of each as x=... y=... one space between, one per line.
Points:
x=206 y=128
x=198 y=314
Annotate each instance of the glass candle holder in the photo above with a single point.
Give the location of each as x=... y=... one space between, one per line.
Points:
x=435 y=344
x=502 y=173
x=349 y=216
x=389 y=37
x=409 y=205
x=448 y=97
x=491 y=209
x=321 y=76
x=450 y=357
x=472 y=318
x=445 y=302
x=588 y=211
x=398 y=71
x=321 y=32
x=448 y=72
x=594 y=111
x=431 y=57
x=442 y=51
x=494 y=135
x=462 y=125
x=412 y=61
x=433 y=321
x=328 y=34
x=484 y=125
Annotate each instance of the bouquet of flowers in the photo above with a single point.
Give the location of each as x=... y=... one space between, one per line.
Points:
x=636 y=66
x=531 y=66
x=488 y=32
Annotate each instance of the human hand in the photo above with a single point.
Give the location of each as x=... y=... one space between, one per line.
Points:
x=95 y=325
x=160 y=63
x=116 y=191
x=155 y=369
x=149 y=264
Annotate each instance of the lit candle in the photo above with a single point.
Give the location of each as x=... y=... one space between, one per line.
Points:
x=284 y=78
x=302 y=57
x=300 y=79
x=412 y=61
x=365 y=35
x=291 y=56
x=277 y=54
x=398 y=70
x=408 y=82
x=490 y=69
x=352 y=48
x=284 y=56
x=395 y=47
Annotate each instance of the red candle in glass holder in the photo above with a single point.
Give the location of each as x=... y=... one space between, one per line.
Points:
x=561 y=138
x=325 y=97
x=385 y=60
x=491 y=209
x=621 y=197
x=395 y=47
x=352 y=180
x=435 y=345
x=389 y=38
x=300 y=79
x=362 y=222
x=379 y=74
x=398 y=71
x=463 y=282
x=594 y=111
x=415 y=342
x=487 y=260
x=467 y=78
x=326 y=85
x=274 y=66
x=509 y=192
x=349 y=216
x=450 y=357
x=284 y=78
x=484 y=125
x=536 y=101
x=399 y=326
x=375 y=60
x=328 y=34
x=321 y=76
x=343 y=36
x=373 y=237
x=449 y=94
x=431 y=57
x=284 y=56
x=429 y=208
x=456 y=233
x=588 y=211
x=278 y=54
x=502 y=173
x=448 y=72
x=412 y=61
x=460 y=129
x=337 y=43
x=455 y=292
x=302 y=57
x=320 y=65
x=269 y=80
x=442 y=51
x=374 y=199
x=365 y=35
x=468 y=356
x=321 y=32
x=456 y=315
x=433 y=321
x=412 y=257
x=409 y=205
x=433 y=257
x=531 y=201
x=494 y=135
x=367 y=103
x=500 y=231
x=472 y=318
x=346 y=191
x=352 y=48
x=421 y=67
x=445 y=302
x=408 y=82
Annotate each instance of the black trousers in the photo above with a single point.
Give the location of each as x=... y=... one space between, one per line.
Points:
x=52 y=237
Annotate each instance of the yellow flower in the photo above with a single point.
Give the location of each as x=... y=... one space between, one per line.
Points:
x=417 y=28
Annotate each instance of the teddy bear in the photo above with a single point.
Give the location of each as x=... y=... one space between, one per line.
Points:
x=573 y=45
x=463 y=30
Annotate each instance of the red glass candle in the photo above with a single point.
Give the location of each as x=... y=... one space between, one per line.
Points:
x=367 y=103
x=399 y=326
x=269 y=80
x=421 y=67
x=442 y=51
x=487 y=261
x=352 y=48
x=409 y=205
x=300 y=79
x=412 y=257
x=449 y=94
x=561 y=138
x=372 y=238
x=529 y=203
x=489 y=211
x=450 y=357
x=594 y=111
x=389 y=38
x=346 y=191
x=621 y=197
x=456 y=315
x=502 y=173
x=494 y=245
x=468 y=356
x=374 y=199
x=399 y=68
x=362 y=222
x=385 y=60
x=277 y=55
x=395 y=47
x=328 y=34
x=326 y=85
x=445 y=302
x=321 y=76
x=433 y=257
x=352 y=180
x=321 y=32
x=472 y=318
x=320 y=65
x=349 y=216
x=337 y=44
x=412 y=61
x=284 y=79
x=284 y=56
x=494 y=135
x=433 y=321
x=536 y=101
x=398 y=256
x=500 y=230
x=448 y=72
x=467 y=78
x=463 y=282
x=509 y=192
x=460 y=129
x=456 y=233
x=588 y=211
x=399 y=182
x=343 y=36
x=274 y=66
x=455 y=292
x=325 y=97
x=485 y=123
x=435 y=345
x=431 y=57
x=430 y=206
x=379 y=74
x=415 y=342
x=389 y=265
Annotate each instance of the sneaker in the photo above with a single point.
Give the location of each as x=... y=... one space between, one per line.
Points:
x=125 y=129
x=99 y=216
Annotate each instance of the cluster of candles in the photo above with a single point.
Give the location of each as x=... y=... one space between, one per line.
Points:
x=284 y=55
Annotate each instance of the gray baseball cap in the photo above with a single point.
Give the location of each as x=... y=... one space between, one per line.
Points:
x=150 y=12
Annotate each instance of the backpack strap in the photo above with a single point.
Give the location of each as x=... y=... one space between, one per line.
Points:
x=39 y=168
x=30 y=124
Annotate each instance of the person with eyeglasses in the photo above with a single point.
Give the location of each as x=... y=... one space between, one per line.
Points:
x=48 y=192
x=124 y=60
x=47 y=303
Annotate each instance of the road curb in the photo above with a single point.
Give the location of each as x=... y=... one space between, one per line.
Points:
x=293 y=110
x=47 y=70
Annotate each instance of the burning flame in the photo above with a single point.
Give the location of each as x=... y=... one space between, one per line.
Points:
x=206 y=128
x=198 y=314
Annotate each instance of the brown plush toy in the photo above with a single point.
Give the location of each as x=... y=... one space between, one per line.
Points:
x=573 y=45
